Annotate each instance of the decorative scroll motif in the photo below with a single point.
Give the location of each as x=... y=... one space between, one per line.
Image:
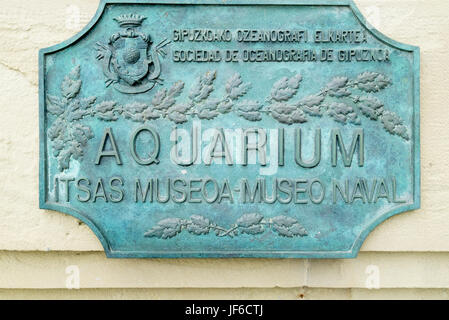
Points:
x=129 y=62
x=342 y=99
x=251 y=224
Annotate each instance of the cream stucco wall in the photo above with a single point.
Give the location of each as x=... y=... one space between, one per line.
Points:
x=409 y=253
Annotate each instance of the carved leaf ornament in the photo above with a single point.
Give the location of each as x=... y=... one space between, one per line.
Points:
x=251 y=224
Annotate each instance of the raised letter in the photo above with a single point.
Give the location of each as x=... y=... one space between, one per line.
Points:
x=357 y=137
x=317 y=156
x=224 y=153
x=108 y=153
x=152 y=157
x=259 y=146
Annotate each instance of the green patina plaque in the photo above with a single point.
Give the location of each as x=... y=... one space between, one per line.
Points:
x=229 y=128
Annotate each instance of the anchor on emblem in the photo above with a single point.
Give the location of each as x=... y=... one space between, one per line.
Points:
x=128 y=60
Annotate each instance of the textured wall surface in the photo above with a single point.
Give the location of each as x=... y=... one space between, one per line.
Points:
x=406 y=257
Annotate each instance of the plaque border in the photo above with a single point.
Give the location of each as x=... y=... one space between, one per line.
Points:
x=352 y=253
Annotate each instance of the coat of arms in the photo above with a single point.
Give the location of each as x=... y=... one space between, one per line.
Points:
x=129 y=62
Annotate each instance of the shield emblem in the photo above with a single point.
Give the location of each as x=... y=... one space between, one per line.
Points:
x=130 y=59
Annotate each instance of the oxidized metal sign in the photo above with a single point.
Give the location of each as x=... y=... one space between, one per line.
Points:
x=229 y=129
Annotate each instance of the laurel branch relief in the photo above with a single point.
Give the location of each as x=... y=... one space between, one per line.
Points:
x=342 y=99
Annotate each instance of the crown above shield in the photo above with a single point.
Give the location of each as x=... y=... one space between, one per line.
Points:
x=130 y=20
